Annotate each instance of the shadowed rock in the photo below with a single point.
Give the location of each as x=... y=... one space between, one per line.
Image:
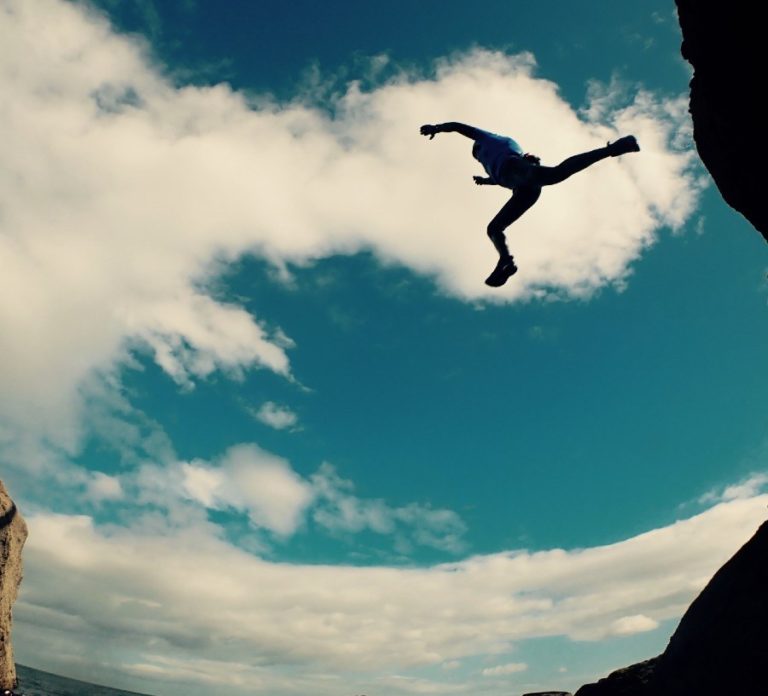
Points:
x=724 y=42
x=13 y=533
x=629 y=681
x=721 y=644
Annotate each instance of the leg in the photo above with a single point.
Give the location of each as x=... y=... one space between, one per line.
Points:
x=546 y=176
x=521 y=200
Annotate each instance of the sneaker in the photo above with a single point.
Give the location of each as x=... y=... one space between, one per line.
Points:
x=504 y=269
x=623 y=145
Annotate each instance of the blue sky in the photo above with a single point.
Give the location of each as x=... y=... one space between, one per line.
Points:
x=271 y=431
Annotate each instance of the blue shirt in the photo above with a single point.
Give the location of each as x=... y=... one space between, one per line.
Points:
x=491 y=150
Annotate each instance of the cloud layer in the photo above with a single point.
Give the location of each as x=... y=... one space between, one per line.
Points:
x=276 y=499
x=123 y=193
x=186 y=605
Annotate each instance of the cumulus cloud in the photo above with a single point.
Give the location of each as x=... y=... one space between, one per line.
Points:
x=276 y=498
x=147 y=599
x=338 y=509
x=501 y=670
x=637 y=623
x=747 y=488
x=123 y=195
x=249 y=479
x=276 y=416
x=101 y=487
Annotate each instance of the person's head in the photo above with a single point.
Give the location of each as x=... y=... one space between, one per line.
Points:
x=475 y=149
x=528 y=157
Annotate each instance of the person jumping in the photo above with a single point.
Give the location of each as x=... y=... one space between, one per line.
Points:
x=506 y=165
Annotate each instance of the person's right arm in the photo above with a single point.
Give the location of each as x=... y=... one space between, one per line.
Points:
x=452 y=127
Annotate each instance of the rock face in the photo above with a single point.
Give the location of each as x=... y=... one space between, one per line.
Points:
x=13 y=533
x=724 y=42
x=721 y=644
x=629 y=681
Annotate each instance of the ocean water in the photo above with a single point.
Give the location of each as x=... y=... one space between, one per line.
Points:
x=33 y=682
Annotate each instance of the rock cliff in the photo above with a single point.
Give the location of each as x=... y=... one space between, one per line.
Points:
x=13 y=533
x=720 y=646
x=724 y=42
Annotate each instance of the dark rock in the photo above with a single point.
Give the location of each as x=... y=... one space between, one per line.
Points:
x=629 y=681
x=725 y=44
x=721 y=644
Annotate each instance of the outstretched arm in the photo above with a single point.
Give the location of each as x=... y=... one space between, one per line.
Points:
x=452 y=127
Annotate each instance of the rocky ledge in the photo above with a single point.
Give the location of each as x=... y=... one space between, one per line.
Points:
x=725 y=44
x=721 y=644
x=13 y=533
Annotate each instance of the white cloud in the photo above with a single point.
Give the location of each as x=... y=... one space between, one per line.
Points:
x=275 y=497
x=629 y=625
x=202 y=483
x=747 y=488
x=101 y=487
x=124 y=194
x=501 y=670
x=104 y=592
x=338 y=509
x=257 y=482
x=276 y=416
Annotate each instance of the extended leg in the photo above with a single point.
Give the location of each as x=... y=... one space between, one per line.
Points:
x=546 y=176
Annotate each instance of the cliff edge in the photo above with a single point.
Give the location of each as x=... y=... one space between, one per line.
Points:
x=13 y=533
x=725 y=45
x=721 y=644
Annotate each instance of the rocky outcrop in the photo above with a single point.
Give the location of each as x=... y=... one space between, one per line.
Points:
x=629 y=681
x=721 y=644
x=724 y=42
x=13 y=533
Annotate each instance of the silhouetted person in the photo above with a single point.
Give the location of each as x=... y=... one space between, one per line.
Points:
x=507 y=166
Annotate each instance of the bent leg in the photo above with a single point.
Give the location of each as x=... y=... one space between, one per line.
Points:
x=522 y=199
x=546 y=176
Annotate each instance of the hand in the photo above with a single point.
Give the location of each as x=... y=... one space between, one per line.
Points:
x=480 y=180
x=429 y=130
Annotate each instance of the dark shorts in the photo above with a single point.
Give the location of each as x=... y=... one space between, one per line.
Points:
x=516 y=172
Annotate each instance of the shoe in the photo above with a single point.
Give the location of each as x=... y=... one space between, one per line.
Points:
x=623 y=145
x=504 y=269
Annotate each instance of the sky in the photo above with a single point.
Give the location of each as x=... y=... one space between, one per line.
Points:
x=271 y=432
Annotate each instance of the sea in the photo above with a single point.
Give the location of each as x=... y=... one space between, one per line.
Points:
x=33 y=682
